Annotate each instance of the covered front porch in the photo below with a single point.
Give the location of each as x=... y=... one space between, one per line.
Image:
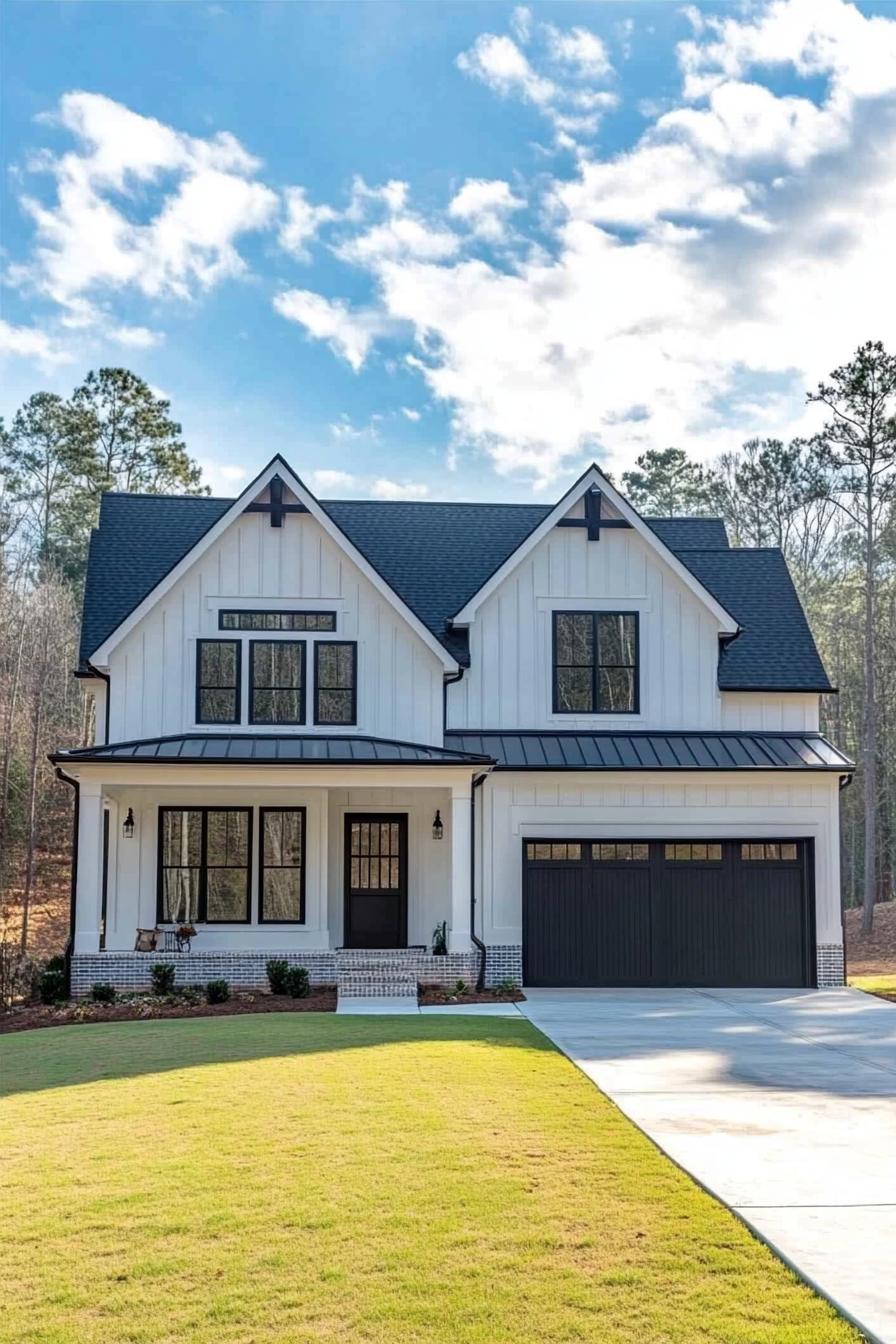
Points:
x=294 y=860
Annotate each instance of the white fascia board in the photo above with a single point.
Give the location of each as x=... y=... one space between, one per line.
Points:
x=276 y=467
x=590 y=479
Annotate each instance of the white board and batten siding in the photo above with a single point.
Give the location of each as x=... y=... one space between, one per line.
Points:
x=294 y=567
x=654 y=806
x=509 y=682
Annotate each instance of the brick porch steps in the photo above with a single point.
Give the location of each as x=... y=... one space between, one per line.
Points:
x=374 y=974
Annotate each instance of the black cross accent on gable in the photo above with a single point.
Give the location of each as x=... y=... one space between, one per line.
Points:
x=592 y=519
x=276 y=508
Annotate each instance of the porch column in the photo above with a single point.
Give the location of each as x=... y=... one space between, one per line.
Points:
x=88 y=892
x=459 y=930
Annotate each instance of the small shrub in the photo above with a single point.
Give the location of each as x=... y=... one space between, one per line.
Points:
x=51 y=983
x=507 y=986
x=162 y=977
x=297 y=983
x=102 y=992
x=461 y=987
x=17 y=975
x=278 y=975
x=217 y=991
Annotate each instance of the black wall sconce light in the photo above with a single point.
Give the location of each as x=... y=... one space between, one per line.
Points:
x=438 y=830
x=129 y=825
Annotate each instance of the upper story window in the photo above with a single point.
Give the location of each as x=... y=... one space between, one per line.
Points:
x=277 y=620
x=218 y=681
x=335 y=690
x=277 y=681
x=595 y=662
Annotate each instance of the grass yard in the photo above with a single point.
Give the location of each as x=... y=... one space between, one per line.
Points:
x=882 y=985
x=300 y=1179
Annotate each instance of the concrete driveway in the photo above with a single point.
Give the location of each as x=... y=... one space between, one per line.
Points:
x=782 y=1103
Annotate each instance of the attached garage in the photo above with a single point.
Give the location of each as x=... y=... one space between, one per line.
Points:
x=660 y=912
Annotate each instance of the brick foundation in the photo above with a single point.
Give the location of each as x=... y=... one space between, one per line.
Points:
x=829 y=965
x=130 y=971
x=503 y=961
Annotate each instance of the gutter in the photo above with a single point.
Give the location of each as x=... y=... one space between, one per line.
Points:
x=73 y=893
x=480 y=979
x=845 y=781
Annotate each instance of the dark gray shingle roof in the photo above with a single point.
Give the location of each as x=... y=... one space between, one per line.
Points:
x=288 y=749
x=436 y=556
x=654 y=751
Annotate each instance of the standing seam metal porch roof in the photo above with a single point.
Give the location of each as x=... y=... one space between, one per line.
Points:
x=271 y=749
x=654 y=751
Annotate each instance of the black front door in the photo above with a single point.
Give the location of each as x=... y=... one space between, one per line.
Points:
x=376 y=879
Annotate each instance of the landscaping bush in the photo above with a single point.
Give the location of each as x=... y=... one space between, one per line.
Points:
x=278 y=975
x=506 y=986
x=102 y=992
x=17 y=975
x=52 y=983
x=162 y=976
x=297 y=983
x=217 y=991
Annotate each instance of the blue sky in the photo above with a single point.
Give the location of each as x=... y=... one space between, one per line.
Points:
x=453 y=250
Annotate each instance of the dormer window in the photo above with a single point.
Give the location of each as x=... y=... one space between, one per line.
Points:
x=595 y=662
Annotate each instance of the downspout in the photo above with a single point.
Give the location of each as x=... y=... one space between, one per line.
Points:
x=73 y=894
x=450 y=680
x=845 y=781
x=103 y=676
x=480 y=979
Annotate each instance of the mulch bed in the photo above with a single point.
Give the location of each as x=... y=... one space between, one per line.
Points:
x=146 y=1008
x=431 y=995
x=873 y=953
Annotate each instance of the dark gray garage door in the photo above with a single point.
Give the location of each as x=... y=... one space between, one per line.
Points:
x=696 y=912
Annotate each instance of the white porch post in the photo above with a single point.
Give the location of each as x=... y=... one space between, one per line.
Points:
x=88 y=893
x=459 y=929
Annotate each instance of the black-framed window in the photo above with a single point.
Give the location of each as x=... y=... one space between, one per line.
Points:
x=218 y=681
x=281 y=865
x=204 y=865
x=277 y=620
x=335 y=681
x=595 y=661
x=277 y=681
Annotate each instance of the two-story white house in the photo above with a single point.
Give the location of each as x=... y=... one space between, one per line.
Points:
x=585 y=740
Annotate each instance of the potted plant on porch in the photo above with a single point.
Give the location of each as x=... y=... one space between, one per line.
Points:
x=440 y=939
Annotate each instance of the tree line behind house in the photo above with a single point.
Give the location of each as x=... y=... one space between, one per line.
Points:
x=829 y=503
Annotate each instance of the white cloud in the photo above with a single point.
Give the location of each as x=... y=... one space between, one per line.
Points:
x=409 y=413
x=386 y=489
x=400 y=236
x=302 y=223
x=225 y=479
x=138 y=338
x=498 y=62
x=324 y=480
x=33 y=344
x=558 y=79
x=580 y=49
x=483 y=205
x=96 y=235
x=348 y=332
x=747 y=221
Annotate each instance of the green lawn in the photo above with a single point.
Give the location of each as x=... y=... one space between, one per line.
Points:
x=885 y=985
x=246 y=1180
